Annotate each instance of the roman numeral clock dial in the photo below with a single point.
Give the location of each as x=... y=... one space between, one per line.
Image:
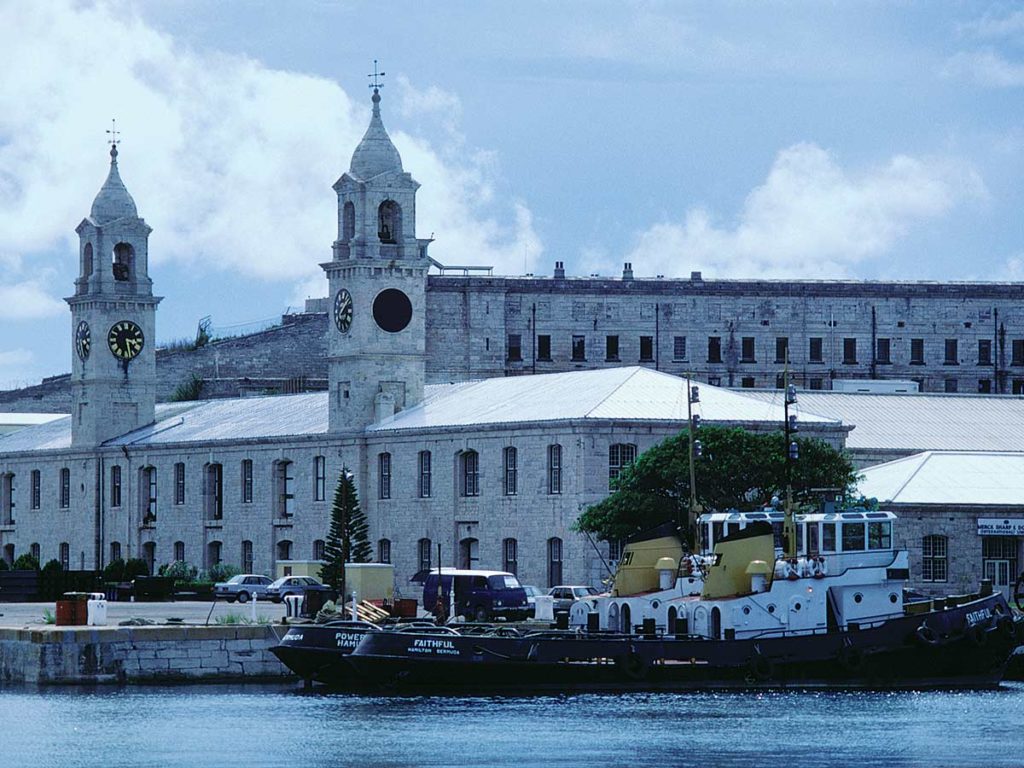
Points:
x=83 y=340
x=125 y=340
x=343 y=310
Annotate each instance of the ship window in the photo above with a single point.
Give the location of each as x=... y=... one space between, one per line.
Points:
x=732 y=528
x=828 y=537
x=853 y=537
x=879 y=535
x=716 y=532
x=777 y=532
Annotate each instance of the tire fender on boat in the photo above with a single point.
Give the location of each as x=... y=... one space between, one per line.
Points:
x=1007 y=627
x=760 y=667
x=851 y=658
x=925 y=635
x=977 y=634
x=632 y=666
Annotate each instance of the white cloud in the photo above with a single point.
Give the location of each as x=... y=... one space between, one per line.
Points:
x=28 y=301
x=16 y=368
x=993 y=26
x=987 y=68
x=1013 y=270
x=810 y=218
x=230 y=161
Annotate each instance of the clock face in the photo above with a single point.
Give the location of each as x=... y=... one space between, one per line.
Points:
x=125 y=340
x=343 y=310
x=392 y=310
x=83 y=340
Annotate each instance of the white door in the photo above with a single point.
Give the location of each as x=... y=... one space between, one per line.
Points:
x=999 y=572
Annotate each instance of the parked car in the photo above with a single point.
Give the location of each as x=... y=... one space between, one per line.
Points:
x=293 y=585
x=532 y=593
x=567 y=594
x=242 y=587
x=479 y=595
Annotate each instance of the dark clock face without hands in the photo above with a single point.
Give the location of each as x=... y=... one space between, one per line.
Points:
x=392 y=310
x=83 y=340
x=343 y=310
x=125 y=340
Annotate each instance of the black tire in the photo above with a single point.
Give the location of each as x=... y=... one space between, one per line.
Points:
x=230 y=599
x=632 y=667
x=977 y=635
x=480 y=614
x=1007 y=628
x=926 y=636
x=760 y=668
x=243 y=597
x=851 y=658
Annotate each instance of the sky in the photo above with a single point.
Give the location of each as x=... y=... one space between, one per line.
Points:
x=863 y=140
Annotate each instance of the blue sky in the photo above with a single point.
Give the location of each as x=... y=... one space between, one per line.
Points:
x=745 y=139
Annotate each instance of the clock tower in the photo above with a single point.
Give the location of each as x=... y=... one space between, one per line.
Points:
x=377 y=277
x=113 y=319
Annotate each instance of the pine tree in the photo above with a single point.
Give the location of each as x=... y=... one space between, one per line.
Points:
x=347 y=540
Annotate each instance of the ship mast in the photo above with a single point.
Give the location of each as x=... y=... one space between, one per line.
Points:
x=695 y=449
x=792 y=454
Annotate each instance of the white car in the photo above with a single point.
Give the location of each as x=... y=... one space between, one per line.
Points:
x=242 y=587
x=566 y=595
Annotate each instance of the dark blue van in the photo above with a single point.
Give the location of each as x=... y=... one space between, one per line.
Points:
x=479 y=595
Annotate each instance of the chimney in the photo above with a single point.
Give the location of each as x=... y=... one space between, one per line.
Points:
x=696 y=277
x=559 y=270
x=627 y=271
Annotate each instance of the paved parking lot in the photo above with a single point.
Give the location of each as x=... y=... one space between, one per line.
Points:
x=190 y=611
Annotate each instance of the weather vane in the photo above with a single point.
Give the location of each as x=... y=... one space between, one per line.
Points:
x=376 y=84
x=114 y=133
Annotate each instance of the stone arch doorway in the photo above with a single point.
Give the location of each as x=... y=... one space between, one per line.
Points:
x=469 y=553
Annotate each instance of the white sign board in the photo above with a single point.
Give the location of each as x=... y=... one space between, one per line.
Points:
x=1000 y=526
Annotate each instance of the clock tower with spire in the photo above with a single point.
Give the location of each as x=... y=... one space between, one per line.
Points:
x=377 y=277
x=113 y=319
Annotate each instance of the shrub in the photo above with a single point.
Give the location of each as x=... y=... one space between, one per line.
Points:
x=222 y=572
x=52 y=568
x=114 y=571
x=179 y=570
x=4 y=566
x=26 y=563
x=135 y=567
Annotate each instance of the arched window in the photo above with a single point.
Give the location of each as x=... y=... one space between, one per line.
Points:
x=123 y=262
x=934 y=566
x=179 y=551
x=115 y=551
x=716 y=623
x=247 y=563
x=384 y=551
x=425 y=551
x=284 y=479
x=213 y=553
x=348 y=221
x=33 y=550
x=284 y=550
x=319 y=547
x=510 y=555
x=554 y=469
x=87 y=260
x=213 y=491
x=511 y=470
x=469 y=553
x=469 y=469
x=389 y=222
x=620 y=456
x=554 y=561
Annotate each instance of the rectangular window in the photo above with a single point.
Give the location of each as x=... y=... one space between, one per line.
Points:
x=714 y=349
x=424 y=474
x=849 y=351
x=1017 y=352
x=950 y=386
x=319 y=478
x=879 y=535
x=65 y=488
x=283 y=495
x=679 y=348
x=646 y=349
x=611 y=348
x=814 y=349
x=7 y=499
x=620 y=456
x=36 y=490
x=747 y=382
x=515 y=348
x=883 y=352
x=247 y=563
x=511 y=471
x=579 y=348
x=615 y=550
x=985 y=386
x=853 y=537
x=1018 y=387
x=933 y=558
x=179 y=551
x=179 y=483
x=747 y=350
x=984 y=352
x=544 y=348
x=952 y=358
x=917 y=351
x=828 y=537
x=510 y=556
x=425 y=552
x=115 y=485
x=214 y=491
x=384 y=551
x=554 y=469
x=115 y=551
x=384 y=476
x=148 y=491
x=65 y=556
x=815 y=383
x=782 y=349
x=470 y=473
x=247 y=481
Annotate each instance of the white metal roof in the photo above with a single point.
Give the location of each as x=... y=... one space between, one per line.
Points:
x=948 y=477
x=918 y=422
x=627 y=393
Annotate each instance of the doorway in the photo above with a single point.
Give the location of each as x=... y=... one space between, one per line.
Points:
x=999 y=562
x=469 y=553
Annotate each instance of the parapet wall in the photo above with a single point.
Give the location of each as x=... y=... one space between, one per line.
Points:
x=119 y=655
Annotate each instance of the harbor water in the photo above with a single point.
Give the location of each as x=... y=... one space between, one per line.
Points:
x=282 y=725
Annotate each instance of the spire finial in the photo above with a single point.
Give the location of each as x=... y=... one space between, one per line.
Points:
x=376 y=84
x=113 y=141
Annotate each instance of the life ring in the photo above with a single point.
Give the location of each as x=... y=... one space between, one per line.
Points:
x=851 y=658
x=760 y=667
x=925 y=635
x=632 y=666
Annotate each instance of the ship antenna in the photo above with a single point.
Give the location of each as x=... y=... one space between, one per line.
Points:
x=792 y=454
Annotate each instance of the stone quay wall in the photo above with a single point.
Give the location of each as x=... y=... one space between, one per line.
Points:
x=126 y=655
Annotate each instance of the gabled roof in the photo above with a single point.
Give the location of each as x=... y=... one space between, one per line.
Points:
x=948 y=477
x=918 y=422
x=630 y=393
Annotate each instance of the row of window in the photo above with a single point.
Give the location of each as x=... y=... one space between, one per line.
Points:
x=815 y=350
x=214 y=553
x=469 y=555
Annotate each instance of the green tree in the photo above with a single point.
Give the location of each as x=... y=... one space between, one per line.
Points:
x=347 y=540
x=738 y=469
x=26 y=563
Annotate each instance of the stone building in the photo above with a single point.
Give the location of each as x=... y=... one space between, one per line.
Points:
x=495 y=471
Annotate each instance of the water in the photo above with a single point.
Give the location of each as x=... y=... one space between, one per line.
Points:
x=283 y=726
